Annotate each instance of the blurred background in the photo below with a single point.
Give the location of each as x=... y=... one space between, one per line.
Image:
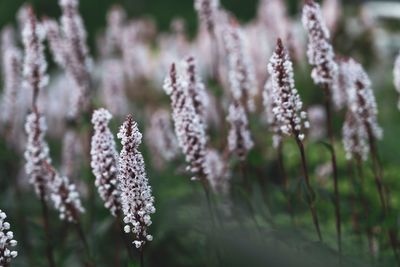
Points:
x=368 y=31
x=94 y=12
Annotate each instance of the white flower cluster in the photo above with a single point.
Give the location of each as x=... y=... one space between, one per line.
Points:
x=104 y=161
x=7 y=241
x=269 y=103
x=161 y=138
x=189 y=128
x=207 y=11
x=287 y=105
x=113 y=87
x=239 y=137
x=65 y=197
x=37 y=153
x=396 y=74
x=12 y=70
x=242 y=80
x=46 y=180
x=217 y=173
x=355 y=137
x=320 y=52
x=136 y=197
x=361 y=98
x=35 y=65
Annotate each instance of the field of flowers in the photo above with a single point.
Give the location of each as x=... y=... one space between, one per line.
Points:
x=265 y=142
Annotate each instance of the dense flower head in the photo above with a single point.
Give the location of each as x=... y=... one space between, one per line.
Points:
x=37 y=154
x=136 y=196
x=65 y=196
x=355 y=137
x=242 y=80
x=7 y=241
x=104 y=161
x=189 y=128
x=239 y=137
x=288 y=107
x=12 y=70
x=35 y=65
x=396 y=73
x=135 y=52
x=161 y=138
x=361 y=98
x=320 y=52
x=207 y=11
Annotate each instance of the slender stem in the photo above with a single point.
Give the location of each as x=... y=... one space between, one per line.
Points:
x=310 y=192
x=331 y=135
x=213 y=224
x=82 y=236
x=142 y=256
x=378 y=173
x=364 y=203
x=49 y=247
x=377 y=169
x=124 y=237
x=285 y=180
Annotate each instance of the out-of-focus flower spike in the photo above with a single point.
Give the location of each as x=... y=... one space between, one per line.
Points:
x=239 y=137
x=113 y=87
x=317 y=117
x=332 y=11
x=116 y=17
x=79 y=62
x=242 y=80
x=361 y=98
x=12 y=72
x=217 y=173
x=35 y=65
x=136 y=196
x=208 y=11
x=272 y=15
x=320 y=52
x=56 y=43
x=161 y=139
x=355 y=138
x=195 y=87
